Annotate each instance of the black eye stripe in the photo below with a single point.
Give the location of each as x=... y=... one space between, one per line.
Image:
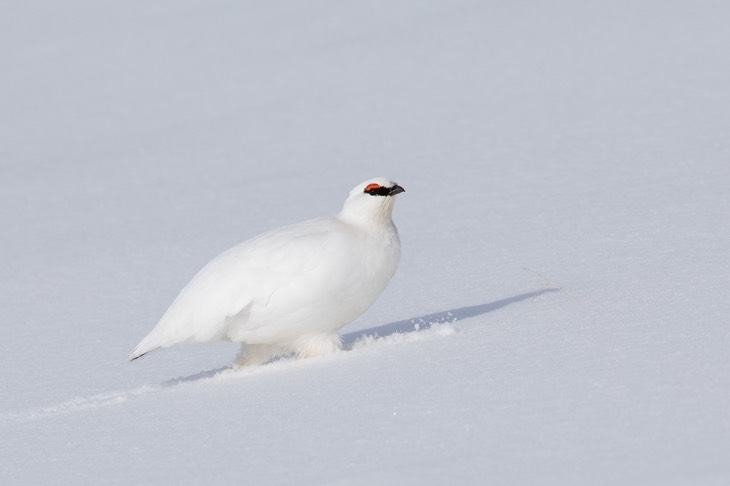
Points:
x=379 y=191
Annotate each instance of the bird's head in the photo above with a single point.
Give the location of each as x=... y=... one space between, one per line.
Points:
x=371 y=201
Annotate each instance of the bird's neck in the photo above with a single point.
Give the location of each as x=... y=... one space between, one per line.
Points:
x=368 y=217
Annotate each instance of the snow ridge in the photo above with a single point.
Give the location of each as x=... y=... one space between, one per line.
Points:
x=78 y=404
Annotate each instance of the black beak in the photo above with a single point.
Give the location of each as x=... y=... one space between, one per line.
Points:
x=396 y=189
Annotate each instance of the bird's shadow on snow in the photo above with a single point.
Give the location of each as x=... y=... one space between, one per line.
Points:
x=416 y=324
x=203 y=375
x=412 y=325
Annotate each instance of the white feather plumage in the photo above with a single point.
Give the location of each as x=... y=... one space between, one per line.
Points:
x=291 y=289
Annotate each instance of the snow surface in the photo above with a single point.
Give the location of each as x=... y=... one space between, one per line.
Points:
x=560 y=315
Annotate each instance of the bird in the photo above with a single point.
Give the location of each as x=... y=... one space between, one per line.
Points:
x=289 y=291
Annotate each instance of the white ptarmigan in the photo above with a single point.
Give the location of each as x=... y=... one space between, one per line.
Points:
x=291 y=289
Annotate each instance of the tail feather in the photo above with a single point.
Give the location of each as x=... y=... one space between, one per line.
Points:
x=142 y=349
x=133 y=356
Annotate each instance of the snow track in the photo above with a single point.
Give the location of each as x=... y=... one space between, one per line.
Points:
x=424 y=330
